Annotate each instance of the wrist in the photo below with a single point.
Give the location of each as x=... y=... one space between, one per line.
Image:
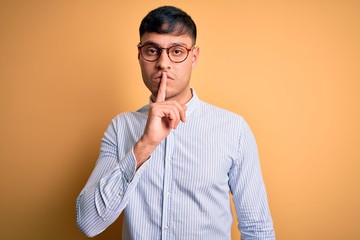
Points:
x=142 y=151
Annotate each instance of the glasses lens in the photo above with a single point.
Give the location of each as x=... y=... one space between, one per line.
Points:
x=150 y=52
x=178 y=53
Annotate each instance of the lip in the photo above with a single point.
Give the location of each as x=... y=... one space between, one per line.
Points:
x=159 y=76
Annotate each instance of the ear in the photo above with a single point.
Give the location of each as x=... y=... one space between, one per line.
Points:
x=195 y=56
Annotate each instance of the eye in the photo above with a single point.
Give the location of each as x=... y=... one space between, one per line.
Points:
x=151 y=51
x=177 y=50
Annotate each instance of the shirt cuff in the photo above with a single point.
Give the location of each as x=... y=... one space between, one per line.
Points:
x=128 y=165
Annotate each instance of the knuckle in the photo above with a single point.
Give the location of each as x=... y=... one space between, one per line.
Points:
x=154 y=107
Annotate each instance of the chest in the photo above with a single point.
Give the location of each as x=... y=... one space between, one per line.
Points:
x=195 y=160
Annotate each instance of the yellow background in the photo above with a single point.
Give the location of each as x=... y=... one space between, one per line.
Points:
x=291 y=68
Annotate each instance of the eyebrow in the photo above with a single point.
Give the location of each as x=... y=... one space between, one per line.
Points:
x=158 y=45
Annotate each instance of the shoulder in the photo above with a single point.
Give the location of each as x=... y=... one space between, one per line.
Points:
x=129 y=115
x=219 y=113
x=123 y=117
x=218 y=119
x=127 y=120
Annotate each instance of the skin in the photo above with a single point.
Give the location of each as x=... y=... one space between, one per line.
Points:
x=169 y=84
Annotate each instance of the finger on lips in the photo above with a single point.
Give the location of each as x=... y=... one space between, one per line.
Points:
x=172 y=110
x=161 y=94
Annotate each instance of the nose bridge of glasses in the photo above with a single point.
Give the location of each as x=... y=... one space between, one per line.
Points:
x=166 y=50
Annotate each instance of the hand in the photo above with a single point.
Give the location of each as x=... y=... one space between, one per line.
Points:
x=163 y=115
x=162 y=118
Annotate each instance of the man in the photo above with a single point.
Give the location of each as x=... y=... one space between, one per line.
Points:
x=172 y=165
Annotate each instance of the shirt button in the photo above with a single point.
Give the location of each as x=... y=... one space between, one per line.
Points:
x=168 y=158
x=121 y=193
x=166 y=228
x=167 y=193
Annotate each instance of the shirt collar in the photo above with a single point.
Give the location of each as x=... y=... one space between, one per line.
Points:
x=193 y=103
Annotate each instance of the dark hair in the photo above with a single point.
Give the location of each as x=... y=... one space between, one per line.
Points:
x=168 y=19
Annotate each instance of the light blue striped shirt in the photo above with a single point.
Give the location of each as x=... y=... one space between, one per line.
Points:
x=183 y=190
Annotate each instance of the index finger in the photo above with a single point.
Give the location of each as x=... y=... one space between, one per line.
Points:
x=161 y=94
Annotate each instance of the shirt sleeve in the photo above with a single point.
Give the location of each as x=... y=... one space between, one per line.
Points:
x=249 y=194
x=109 y=187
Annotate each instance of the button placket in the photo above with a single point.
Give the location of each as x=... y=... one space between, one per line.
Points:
x=166 y=211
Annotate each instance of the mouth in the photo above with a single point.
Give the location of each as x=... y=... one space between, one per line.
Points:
x=158 y=77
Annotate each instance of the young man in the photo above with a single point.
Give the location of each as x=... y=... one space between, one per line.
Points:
x=172 y=165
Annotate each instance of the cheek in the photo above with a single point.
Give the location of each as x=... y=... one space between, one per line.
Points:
x=145 y=70
x=185 y=71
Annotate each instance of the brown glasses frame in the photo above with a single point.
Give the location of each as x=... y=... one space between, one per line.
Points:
x=140 y=46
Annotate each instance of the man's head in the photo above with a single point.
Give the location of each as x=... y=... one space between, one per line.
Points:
x=168 y=20
x=167 y=39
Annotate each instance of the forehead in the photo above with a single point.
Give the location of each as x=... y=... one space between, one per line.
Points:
x=166 y=40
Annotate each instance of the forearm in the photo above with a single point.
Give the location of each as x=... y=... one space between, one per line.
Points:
x=89 y=219
x=106 y=194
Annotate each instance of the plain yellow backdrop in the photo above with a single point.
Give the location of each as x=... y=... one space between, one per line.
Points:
x=291 y=68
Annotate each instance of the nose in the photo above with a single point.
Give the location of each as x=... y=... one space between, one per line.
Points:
x=164 y=61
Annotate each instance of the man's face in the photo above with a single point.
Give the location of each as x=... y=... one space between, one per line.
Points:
x=178 y=74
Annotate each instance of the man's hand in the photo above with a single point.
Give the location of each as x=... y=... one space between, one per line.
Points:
x=163 y=117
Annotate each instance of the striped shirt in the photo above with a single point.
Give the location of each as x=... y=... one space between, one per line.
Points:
x=183 y=190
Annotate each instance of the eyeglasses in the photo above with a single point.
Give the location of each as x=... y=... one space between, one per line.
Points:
x=176 y=53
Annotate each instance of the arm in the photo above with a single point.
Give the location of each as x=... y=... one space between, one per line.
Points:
x=162 y=118
x=107 y=191
x=249 y=192
x=115 y=176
